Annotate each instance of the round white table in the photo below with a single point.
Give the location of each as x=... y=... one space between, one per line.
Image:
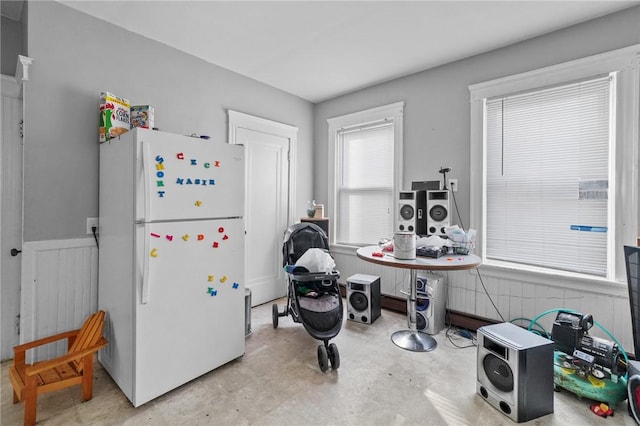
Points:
x=413 y=339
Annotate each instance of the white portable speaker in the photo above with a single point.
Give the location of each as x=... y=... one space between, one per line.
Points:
x=363 y=298
x=406 y=211
x=515 y=371
x=437 y=212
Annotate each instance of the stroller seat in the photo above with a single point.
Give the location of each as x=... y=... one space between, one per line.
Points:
x=313 y=298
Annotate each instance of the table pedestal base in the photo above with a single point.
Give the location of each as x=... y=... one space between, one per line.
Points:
x=415 y=341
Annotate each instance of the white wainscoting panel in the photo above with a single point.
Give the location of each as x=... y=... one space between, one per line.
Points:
x=59 y=290
x=516 y=299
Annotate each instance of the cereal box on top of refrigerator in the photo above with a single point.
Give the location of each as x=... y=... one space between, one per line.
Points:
x=114 y=116
x=142 y=116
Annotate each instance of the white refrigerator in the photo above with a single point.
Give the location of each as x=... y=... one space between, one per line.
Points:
x=171 y=259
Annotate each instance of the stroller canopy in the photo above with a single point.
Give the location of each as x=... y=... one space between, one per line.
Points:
x=299 y=238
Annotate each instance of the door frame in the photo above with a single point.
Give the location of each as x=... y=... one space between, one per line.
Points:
x=241 y=120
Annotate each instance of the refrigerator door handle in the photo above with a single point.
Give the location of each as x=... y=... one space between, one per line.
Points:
x=147 y=180
x=145 y=272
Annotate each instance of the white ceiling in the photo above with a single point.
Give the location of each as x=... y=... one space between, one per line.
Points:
x=318 y=50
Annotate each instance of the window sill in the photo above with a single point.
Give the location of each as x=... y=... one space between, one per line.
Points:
x=343 y=249
x=553 y=278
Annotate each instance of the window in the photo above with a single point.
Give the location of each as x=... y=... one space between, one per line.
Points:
x=365 y=155
x=553 y=158
x=547 y=174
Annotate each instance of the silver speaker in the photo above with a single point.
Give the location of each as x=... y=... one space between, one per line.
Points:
x=437 y=212
x=363 y=298
x=515 y=371
x=406 y=211
x=430 y=302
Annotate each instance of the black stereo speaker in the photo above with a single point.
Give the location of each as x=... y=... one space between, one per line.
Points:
x=437 y=212
x=407 y=213
x=515 y=371
x=363 y=298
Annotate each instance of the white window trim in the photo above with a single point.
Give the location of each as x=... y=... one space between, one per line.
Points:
x=393 y=112
x=625 y=218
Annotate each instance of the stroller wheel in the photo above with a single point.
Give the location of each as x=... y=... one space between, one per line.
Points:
x=334 y=356
x=275 y=315
x=323 y=358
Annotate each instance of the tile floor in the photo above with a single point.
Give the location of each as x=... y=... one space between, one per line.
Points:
x=278 y=382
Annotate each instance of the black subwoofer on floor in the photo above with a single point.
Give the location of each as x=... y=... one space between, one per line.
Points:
x=515 y=371
x=363 y=298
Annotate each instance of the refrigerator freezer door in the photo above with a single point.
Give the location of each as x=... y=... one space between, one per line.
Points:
x=193 y=318
x=181 y=178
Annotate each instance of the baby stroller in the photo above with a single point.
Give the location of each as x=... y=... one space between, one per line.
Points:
x=313 y=298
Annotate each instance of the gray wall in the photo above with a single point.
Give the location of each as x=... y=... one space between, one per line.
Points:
x=11 y=45
x=436 y=121
x=78 y=57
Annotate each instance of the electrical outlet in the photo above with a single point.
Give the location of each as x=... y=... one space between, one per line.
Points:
x=91 y=222
x=453 y=184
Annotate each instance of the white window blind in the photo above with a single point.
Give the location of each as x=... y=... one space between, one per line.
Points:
x=547 y=177
x=365 y=179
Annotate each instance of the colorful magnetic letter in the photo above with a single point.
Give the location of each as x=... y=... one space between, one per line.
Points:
x=180 y=156
x=185 y=237
x=236 y=285
x=154 y=252
x=221 y=230
x=223 y=279
x=215 y=244
x=198 y=203
x=160 y=174
x=153 y=234
x=200 y=237
x=210 y=278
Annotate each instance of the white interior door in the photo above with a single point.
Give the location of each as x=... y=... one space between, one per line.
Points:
x=10 y=213
x=269 y=167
